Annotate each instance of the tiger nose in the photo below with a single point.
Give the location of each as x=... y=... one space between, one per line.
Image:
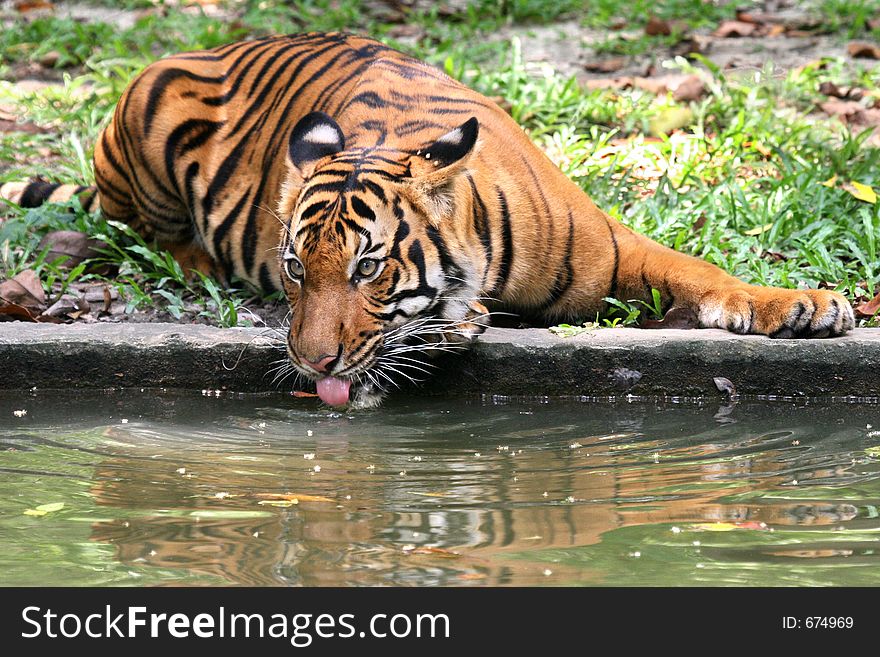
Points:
x=321 y=364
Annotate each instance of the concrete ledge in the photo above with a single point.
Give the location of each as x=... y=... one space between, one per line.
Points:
x=502 y=362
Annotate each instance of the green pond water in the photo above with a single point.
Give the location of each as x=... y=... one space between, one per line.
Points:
x=163 y=488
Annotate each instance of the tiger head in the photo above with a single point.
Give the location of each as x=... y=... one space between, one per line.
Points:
x=374 y=277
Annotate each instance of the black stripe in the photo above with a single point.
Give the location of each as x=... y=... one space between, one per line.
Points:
x=362 y=209
x=482 y=227
x=560 y=288
x=612 y=286
x=223 y=228
x=506 y=256
x=267 y=282
x=37 y=193
x=451 y=271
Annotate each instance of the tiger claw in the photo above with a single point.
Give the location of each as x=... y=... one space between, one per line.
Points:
x=778 y=313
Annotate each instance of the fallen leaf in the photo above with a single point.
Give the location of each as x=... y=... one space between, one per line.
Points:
x=50 y=59
x=24 y=289
x=68 y=306
x=714 y=526
x=675 y=318
x=862 y=192
x=607 y=65
x=624 y=82
x=759 y=230
x=661 y=27
x=724 y=385
x=12 y=125
x=12 y=311
x=302 y=393
x=471 y=576
x=870 y=308
x=848 y=93
x=734 y=29
x=694 y=44
x=44 y=509
x=431 y=494
x=688 y=89
x=25 y=6
x=72 y=245
x=684 y=88
x=758 y=146
x=569 y=331
x=669 y=120
x=279 y=503
x=294 y=497
x=745 y=16
x=830 y=182
x=863 y=49
x=849 y=111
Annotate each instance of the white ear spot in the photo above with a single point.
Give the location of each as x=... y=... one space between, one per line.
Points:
x=322 y=134
x=453 y=137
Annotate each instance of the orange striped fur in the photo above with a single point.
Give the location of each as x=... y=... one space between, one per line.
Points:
x=391 y=204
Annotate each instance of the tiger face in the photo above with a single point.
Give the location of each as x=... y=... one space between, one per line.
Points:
x=373 y=280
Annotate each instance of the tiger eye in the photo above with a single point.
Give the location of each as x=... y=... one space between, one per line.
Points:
x=367 y=267
x=295 y=269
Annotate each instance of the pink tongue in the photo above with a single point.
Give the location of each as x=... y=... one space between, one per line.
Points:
x=333 y=391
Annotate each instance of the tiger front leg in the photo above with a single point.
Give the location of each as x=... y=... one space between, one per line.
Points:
x=722 y=301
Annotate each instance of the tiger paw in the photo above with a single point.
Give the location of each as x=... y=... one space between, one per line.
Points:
x=778 y=313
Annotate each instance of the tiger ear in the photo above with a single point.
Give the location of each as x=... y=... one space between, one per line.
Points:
x=314 y=137
x=448 y=155
x=435 y=168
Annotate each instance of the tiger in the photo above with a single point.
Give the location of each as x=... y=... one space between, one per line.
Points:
x=396 y=209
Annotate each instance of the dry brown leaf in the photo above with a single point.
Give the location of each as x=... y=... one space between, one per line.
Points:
x=50 y=59
x=845 y=109
x=624 y=82
x=657 y=26
x=302 y=393
x=9 y=123
x=407 y=31
x=758 y=19
x=72 y=244
x=675 y=318
x=846 y=93
x=68 y=306
x=734 y=29
x=851 y=112
x=863 y=49
x=607 y=65
x=25 y=6
x=10 y=312
x=24 y=289
x=870 y=308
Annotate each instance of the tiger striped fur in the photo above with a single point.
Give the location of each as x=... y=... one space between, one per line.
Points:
x=389 y=202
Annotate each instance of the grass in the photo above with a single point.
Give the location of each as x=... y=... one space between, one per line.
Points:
x=740 y=184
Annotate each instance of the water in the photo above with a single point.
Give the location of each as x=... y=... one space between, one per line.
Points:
x=182 y=488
